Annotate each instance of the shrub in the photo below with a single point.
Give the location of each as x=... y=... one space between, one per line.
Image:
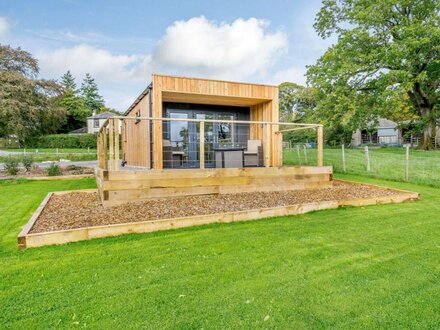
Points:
x=27 y=161
x=63 y=141
x=53 y=170
x=11 y=165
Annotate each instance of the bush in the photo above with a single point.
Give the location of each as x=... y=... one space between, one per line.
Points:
x=11 y=165
x=27 y=161
x=63 y=141
x=53 y=170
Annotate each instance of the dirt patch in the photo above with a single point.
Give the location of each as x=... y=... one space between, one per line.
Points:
x=81 y=209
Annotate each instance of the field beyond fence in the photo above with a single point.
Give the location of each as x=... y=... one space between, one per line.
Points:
x=386 y=163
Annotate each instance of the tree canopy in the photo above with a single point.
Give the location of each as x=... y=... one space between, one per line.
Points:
x=386 y=62
x=27 y=104
x=90 y=94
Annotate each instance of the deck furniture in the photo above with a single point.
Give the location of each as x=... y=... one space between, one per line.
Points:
x=253 y=155
x=172 y=156
x=229 y=157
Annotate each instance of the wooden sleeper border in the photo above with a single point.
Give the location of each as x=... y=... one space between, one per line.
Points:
x=27 y=240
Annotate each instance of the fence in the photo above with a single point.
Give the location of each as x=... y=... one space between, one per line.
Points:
x=401 y=164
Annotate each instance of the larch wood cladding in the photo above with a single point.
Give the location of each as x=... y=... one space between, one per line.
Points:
x=262 y=100
x=136 y=136
x=117 y=187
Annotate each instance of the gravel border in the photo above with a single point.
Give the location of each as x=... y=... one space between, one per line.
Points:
x=82 y=209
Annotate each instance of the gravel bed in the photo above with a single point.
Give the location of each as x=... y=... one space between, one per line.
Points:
x=80 y=209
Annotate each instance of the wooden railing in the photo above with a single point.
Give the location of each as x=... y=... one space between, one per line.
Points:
x=112 y=137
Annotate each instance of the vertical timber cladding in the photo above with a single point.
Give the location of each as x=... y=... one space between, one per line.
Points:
x=262 y=100
x=136 y=143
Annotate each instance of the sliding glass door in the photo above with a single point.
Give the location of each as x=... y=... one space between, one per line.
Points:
x=181 y=139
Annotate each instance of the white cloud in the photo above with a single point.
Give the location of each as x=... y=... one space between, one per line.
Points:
x=4 y=25
x=96 y=61
x=292 y=74
x=204 y=48
x=197 y=47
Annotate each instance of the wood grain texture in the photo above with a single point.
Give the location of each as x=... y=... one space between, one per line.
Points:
x=262 y=100
x=121 y=186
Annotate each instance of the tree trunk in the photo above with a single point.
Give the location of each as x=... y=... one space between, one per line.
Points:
x=429 y=129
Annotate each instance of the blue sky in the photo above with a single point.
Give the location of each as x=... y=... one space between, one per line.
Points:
x=122 y=42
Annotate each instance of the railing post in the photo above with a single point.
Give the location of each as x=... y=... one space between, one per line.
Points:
x=266 y=150
x=116 y=132
x=111 y=144
x=320 y=139
x=104 y=148
x=202 y=145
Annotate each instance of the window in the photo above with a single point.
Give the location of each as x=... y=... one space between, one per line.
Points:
x=96 y=123
x=138 y=114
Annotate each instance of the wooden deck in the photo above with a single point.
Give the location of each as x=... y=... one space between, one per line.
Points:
x=121 y=186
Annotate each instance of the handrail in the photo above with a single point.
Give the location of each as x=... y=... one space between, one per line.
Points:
x=217 y=121
x=110 y=133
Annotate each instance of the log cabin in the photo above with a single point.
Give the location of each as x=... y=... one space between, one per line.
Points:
x=191 y=136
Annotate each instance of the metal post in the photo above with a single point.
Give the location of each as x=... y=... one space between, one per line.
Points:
x=202 y=145
x=343 y=159
x=367 y=158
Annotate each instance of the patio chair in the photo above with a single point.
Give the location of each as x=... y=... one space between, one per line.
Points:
x=172 y=157
x=253 y=155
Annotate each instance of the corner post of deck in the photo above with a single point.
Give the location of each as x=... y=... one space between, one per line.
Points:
x=202 y=145
x=111 y=144
x=266 y=149
x=116 y=129
x=320 y=140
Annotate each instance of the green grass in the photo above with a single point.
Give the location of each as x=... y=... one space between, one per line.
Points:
x=352 y=268
x=51 y=150
x=385 y=163
x=54 y=157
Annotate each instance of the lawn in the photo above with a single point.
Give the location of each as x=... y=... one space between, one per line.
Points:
x=369 y=267
x=52 y=150
x=385 y=163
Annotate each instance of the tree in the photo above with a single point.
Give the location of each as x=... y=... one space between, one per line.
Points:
x=386 y=60
x=90 y=94
x=296 y=102
x=74 y=105
x=27 y=106
x=68 y=81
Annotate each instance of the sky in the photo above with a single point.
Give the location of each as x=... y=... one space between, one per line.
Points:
x=121 y=43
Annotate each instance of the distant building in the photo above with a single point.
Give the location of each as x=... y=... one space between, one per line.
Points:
x=387 y=132
x=95 y=122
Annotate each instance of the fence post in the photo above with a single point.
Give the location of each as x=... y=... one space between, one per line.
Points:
x=57 y=151
x=367 y=158
x=305 y=154
x=343 y=159
x=407 y=163
x=299 y=155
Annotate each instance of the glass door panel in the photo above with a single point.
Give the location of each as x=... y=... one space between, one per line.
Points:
x=226 y=131
x=209 y=138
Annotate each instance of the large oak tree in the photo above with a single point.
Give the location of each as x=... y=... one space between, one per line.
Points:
x=386 y=60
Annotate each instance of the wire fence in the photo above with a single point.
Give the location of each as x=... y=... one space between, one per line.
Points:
x=400 y=164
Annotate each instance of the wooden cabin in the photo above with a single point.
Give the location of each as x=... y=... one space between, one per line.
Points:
x=185 y=136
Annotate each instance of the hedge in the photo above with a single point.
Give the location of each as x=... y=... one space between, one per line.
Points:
x=82 y=141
